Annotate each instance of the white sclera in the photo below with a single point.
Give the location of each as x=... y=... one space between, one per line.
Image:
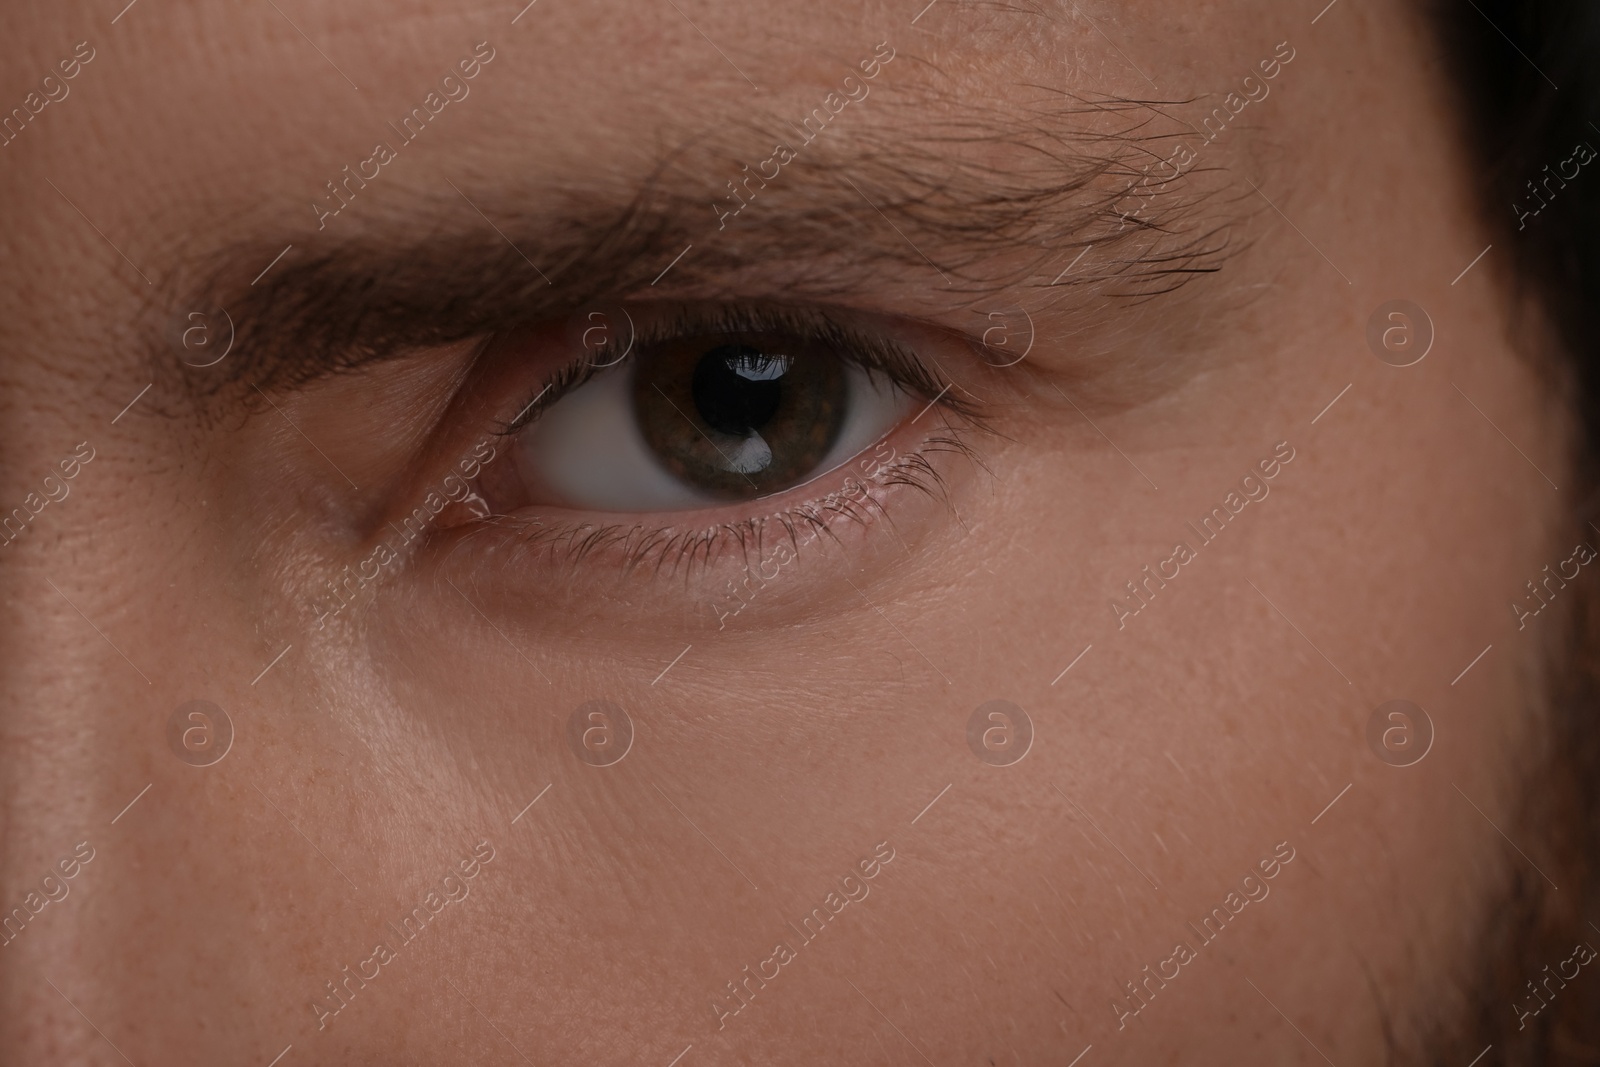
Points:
x=587 y=451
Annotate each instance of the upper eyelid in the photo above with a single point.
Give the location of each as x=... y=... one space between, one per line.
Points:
x=329 y=307
x=875 y=355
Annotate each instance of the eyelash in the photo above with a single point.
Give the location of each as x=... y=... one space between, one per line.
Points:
x=875 y=355
x=666 y=547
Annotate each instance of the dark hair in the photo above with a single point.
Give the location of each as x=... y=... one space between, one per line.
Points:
x=1527 y=76
x=1527 y=73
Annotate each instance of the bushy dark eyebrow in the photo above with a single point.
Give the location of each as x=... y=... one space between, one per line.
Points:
x=987 y=200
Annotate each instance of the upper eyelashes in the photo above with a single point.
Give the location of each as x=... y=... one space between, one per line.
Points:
x=621 y=336
x=705 y=408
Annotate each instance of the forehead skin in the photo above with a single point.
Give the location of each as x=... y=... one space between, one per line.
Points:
x=1174 y=756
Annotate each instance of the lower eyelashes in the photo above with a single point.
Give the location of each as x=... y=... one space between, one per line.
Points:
x=716 y=448
x=857 y=495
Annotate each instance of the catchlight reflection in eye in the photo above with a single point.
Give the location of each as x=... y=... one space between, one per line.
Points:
x=705 y=420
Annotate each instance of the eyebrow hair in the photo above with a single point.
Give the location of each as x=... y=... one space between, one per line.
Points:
x=935 y=204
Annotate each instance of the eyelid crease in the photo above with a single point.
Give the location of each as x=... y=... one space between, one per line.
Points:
x=876 y=355
x=333 y=305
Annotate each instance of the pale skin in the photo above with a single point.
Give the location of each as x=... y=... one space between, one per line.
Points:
x=782 y=747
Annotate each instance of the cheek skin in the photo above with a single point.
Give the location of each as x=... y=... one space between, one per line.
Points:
x=621 y=900
x=1269 y=735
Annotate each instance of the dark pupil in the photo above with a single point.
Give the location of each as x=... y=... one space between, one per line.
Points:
x=737 y=389
x=741 y=415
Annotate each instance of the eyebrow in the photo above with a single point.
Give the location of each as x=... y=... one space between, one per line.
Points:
x=933 y=207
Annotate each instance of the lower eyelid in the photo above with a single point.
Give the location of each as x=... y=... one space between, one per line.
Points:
x=902 y=466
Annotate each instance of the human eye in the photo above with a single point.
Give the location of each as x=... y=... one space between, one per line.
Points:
x=695 y=409
x=715 y=422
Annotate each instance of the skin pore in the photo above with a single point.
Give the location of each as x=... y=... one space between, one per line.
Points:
x=1193 y=290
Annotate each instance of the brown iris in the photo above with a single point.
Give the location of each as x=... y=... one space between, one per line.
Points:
x=741 y=415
